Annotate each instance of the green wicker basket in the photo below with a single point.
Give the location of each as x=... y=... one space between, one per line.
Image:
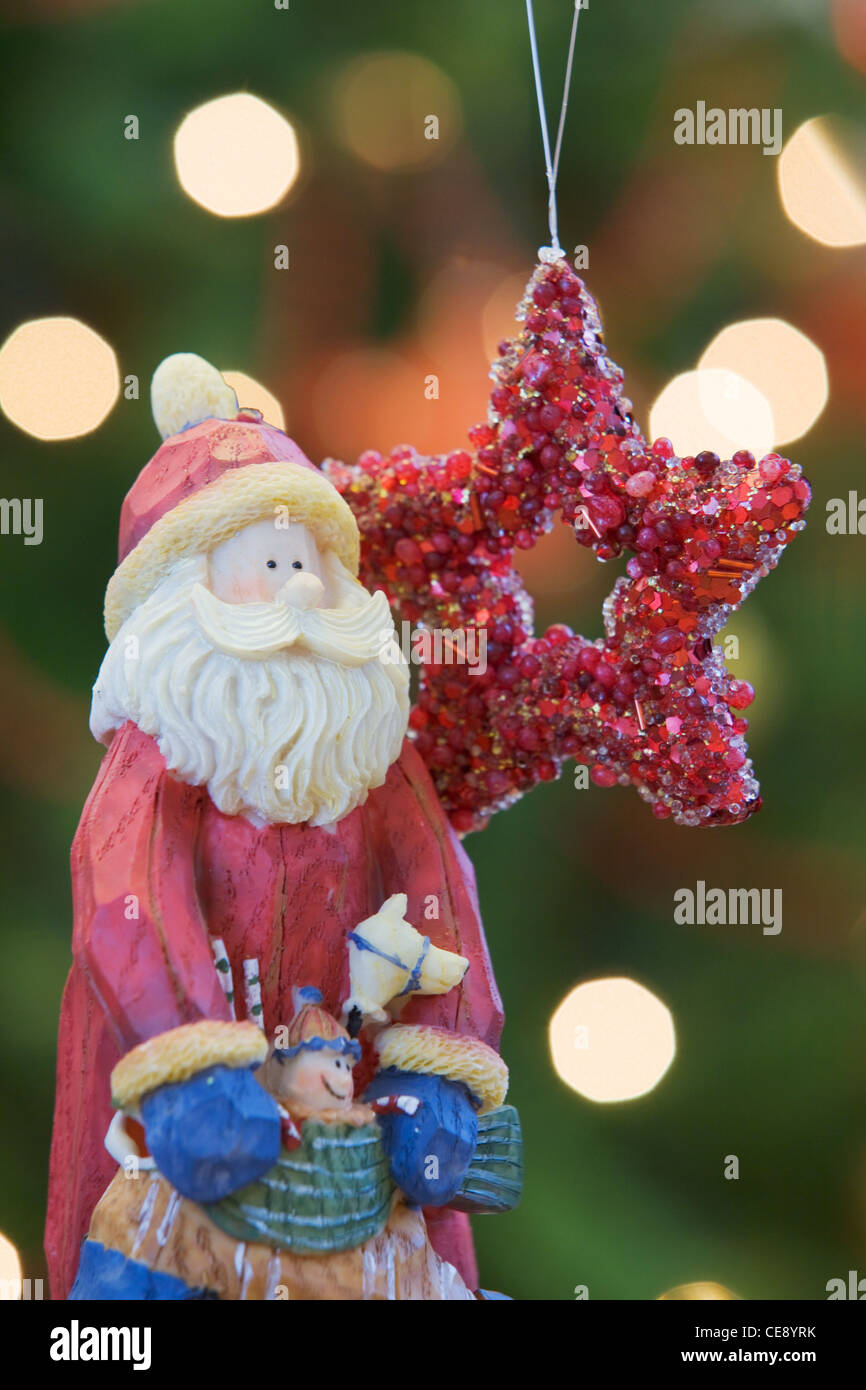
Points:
x=331 y=1193
x=494 y=1178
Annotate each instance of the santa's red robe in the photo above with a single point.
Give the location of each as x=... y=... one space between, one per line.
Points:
x=158 y=872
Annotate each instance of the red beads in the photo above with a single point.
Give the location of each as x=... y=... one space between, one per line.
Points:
x=670 y=639
x=740 y=695
x=640 y=484
x=771 y=468
x=663 y=449
x=499 y=709
x=602 y=776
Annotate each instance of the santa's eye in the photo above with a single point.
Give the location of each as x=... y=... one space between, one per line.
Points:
x=296 y=565
x=271 y=564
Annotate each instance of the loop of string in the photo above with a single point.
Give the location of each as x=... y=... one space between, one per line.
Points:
x=552 y=165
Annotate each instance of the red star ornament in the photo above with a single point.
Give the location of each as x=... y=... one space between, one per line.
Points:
x=651 y=703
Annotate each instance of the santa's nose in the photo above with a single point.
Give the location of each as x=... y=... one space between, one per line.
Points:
x=302 y=591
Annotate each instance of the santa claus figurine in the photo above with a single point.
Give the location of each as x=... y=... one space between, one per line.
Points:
x=257 y=801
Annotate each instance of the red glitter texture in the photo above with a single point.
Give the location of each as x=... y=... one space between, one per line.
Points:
x=651 y=704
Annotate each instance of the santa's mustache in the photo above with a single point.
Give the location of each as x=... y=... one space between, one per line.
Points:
x=350 y=636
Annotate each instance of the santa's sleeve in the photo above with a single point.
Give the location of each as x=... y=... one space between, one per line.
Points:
x=139 y=936
x=419 y=855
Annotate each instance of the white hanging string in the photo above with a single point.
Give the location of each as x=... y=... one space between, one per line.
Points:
x=552 y=165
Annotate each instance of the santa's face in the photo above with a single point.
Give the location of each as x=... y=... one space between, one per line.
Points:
x=264 y=560
x=266 y=672
x=318 y=1078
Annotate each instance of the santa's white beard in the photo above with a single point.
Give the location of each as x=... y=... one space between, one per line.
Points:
x=286 y=738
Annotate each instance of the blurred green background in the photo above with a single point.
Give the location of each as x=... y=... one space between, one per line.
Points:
x=397 y=273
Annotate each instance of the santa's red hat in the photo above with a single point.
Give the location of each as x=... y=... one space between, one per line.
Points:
x=219 y=469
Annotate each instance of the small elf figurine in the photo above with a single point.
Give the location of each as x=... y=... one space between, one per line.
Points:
x=311 y=1074
x=329 y=1219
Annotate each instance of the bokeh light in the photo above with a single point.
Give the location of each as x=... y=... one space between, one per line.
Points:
x=714 y=409
x=10 y=1270
x=371 y=394
x=612 y=1040
x=251 y=393
x=786 y=367
x=458 y=294
x=397 y=110
x=849 y=26
x=236 y=155
x=703 y=1292
x=58 y=378
x=822 y=191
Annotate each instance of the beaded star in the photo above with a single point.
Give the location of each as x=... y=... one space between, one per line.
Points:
x=649 y=704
